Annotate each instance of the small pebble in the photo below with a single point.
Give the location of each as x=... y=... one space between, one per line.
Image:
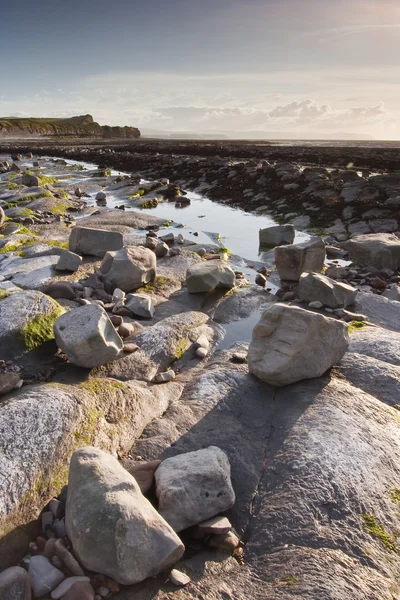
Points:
x=178 y=578
x=102 y=591
x=201 y=352
x=316 y=304
x=130 y=348
x=239 y=357
x=164 y=377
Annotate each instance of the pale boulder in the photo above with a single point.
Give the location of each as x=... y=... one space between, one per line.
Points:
x=94 y=242
x=290 y=344
x=193 y=487
x=140 y=305
x=307 y=257
x=379 y=250
x=315 y=287
x=87 y=336
x=133 y=542
x=277 y=235
x=208 y=276
x=131 y=268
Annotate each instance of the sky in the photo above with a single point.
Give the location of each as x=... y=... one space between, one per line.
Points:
x=206 y=66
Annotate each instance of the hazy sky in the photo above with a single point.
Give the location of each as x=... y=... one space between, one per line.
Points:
x=206 y=65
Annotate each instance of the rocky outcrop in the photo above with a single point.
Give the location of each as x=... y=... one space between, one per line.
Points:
x=83 y=126
x=106 y=510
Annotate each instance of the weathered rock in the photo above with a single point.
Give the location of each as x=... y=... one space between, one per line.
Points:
x=87 y=336
x=126 y=329
x=44 y=576
x=143 y=472
x=290 y=344
x=94 y=242
x=69 y=261
x=208 y=276
x=379 y=250
x=193 y=487
x=277 y=235
x=140 y=305
x=130 y=269
x=26 y=321
x=165 y=377
x=161 y=250
x=178 y=578
x=60 y=591
x=316 y=287
x=15 y=584
x=393 y=293
x=139 y=542
x=216 y=525
x=61 y=289
x=379 y=310
x=8 y=382
x=307 y=257
x=80 y=591
x=224 y=541
x=30 y=180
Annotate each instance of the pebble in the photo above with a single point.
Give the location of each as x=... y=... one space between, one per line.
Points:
x=130 y=348
x=116 y=320
x=164 y=377
x=201 y=251
x=80 y=591
x=180 y=239
x=201 y=352
x=57 y=508
x=239 y=357
x=47 y=519
x=102 y=591
x=315 y=304
x=261 y=280
x=227 y=541
x=126 y=329
x=64 y=586
x=216 y=525
x=44 y=576
x=178 y=578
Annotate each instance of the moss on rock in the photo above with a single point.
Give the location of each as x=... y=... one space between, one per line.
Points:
x=40 y=329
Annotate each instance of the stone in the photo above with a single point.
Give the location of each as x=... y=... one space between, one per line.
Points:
x=30 y=180
x=277 y=235
x=60 y=591
x=316 y=287
x=94 y=242
x=69 y=261
x=8 y=382
x=291 y=261
x=193 y=487
x=178 y=578
x=216 y=525
x=392 y=293
x=102 y=591
x=131 y=268
x=208 y=276
x=290 y=344
x=261 y=280
x=107 y=262
x=180 y=239
x=143 y=472
x=60 y=289
x=161 y=250
x=2 y=216
x=139 y=542
x=226 y=541
x=169 y=238
x=15 y=584
x=201 y=352
x=130 y=348
x=44 y=576
x=379 y=250
x=316 y=304
x=101 y=196
x=151 y=243
x=118 y=295
x=87 y=336
x=140 y=305
x=126 y=329
x=165 y=377
x=80 y=591
x=203 y=342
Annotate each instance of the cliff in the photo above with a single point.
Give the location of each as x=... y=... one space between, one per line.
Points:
x=82 y=126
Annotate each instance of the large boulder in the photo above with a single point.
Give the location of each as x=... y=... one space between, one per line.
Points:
x=208 y=276
x=94 y=242
x=277 y=235
x=316 y=287
x=130 y=269
x=26 y=322
x=379 y=250
x=307 y=257
x=290 y=344
x=113 y=528
x=193 y=487
x=87 y=336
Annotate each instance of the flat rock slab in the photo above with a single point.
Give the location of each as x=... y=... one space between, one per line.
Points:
x=94 y=242
x=379 y=310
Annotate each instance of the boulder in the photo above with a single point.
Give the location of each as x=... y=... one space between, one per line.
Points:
x=130 y=269
x=315 y=287
x=307 y=257
x=379 y=250
x=69 y=261
x=290 y=344
x=94 y=242
x=87 y=336
x=44 y=576
x=26 y=321
x=15 y=584
x=208 y=276
x=194 y=486
x=113 y=528
x=277 y=235
x=140 y=305
x=30 y=180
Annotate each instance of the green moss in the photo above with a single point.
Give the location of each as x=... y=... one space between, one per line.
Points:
x=18 y=244
x=180 y=348
x=25 y=212
x=159 y=285
x=57 y=244
x=98 y=386
x=31 y=197
x=167 y=224
x=4 y=294
x=395 y=496
x=26 y=231
x=153 y=203
x=12 y=186
x=40 y=329
x=355 y=325
x=290 y=580
x=141 y=192
x=375 y=529
x=64 y=195
x=60 y=208
x=45 y=180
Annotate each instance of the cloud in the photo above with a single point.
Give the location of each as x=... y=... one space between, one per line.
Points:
x=301 y=110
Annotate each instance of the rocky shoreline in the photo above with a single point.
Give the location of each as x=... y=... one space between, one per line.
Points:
x=112 y=323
